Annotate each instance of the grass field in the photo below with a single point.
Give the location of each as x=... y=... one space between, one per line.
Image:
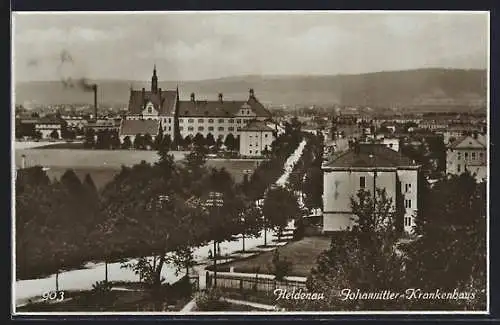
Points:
x=103 y=165
x=302 y=254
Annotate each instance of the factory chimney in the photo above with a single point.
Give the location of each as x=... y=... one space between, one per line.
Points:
x=94 y=88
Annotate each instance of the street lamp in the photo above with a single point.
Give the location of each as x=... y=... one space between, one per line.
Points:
x=215 y=201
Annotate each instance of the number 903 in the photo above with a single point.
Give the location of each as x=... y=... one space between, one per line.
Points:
x=53 y=295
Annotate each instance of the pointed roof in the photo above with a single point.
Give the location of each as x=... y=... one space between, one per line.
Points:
x=164 y=101
x=370 y=156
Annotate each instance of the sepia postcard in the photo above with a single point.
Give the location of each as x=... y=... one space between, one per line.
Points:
x=258 y=162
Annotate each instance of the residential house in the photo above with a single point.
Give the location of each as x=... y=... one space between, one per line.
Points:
x=368 y=166
x=468 y=153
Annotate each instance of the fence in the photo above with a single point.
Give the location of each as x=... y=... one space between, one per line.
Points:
x=263 y=283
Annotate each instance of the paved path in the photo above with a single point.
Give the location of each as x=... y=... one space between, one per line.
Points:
x=250 y=303
x=84 y=278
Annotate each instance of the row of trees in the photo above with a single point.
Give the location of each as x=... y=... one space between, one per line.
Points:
x=307 y=176
x=109 y=139
x=52 y=220
x=155 y=210
x=448 y=254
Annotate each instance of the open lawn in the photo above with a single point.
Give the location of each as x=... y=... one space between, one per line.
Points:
x=302 y=254
x=103 y=165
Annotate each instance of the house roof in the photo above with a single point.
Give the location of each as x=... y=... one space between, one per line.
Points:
x=220 y=108
x=257 y=126
x=163 y=102
x=369 y=156
x=50 y=120
x=134 y=127
x=469 y=142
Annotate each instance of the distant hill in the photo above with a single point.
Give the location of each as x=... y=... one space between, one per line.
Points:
x=412 y=88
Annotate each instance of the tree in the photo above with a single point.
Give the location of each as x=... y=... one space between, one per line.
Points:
x=72 y=182
x=54 y=134
x=187 y=141
x=127 y=144
x=280 y=206
x=230 y=142
x=148 y=141
x=219 y=142
x=251 y=223
x=364 y=258
x=281 y=267
x=167 y=141
x=159 y=138
x=89 y=138
x=114 y=142
x=210 y=140
x=139 y=142
x=199 y=140
x=452 y=226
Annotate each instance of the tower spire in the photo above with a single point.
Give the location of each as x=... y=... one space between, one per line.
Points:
x=154 y=81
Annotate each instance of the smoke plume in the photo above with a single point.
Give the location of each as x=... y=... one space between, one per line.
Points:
x=66 y=61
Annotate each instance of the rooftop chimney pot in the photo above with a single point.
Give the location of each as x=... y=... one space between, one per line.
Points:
x=192 y=97
x=251 y=92
x=220 y=97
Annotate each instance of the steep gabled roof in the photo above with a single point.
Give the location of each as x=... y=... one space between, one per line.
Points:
x=369 y=156
x=134 y=127
x=164 y=101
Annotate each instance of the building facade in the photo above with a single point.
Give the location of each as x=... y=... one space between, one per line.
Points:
x=467 y=153
x=256 y=139
x=368 y=167
x=182 y=119
x=49 y=126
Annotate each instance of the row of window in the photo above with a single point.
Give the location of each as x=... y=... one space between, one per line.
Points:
x=211 y=120
x=407 y=222
x=362 y=184
x=210 y=128
x=473 y=155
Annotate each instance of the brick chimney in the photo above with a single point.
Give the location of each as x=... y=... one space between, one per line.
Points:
x=94 y=88
x=251 y=93
x=159 y=92
x=192 y=97
x=220 y=98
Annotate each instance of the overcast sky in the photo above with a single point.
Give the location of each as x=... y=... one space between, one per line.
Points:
x=194 y=46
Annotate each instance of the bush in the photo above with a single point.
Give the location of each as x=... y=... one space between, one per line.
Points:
x=211 y=301
x=281 y=267
x=101 y=287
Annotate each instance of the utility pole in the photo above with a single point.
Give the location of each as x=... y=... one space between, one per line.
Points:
x=215 y=201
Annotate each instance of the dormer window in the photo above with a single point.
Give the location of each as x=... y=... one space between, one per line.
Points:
x=150 y=110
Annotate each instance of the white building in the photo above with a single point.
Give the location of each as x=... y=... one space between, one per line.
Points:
x=391 y=143
x=182 y=119
x=467 y=153
x=47 y=126
x=368 y=166
x=255 y=139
